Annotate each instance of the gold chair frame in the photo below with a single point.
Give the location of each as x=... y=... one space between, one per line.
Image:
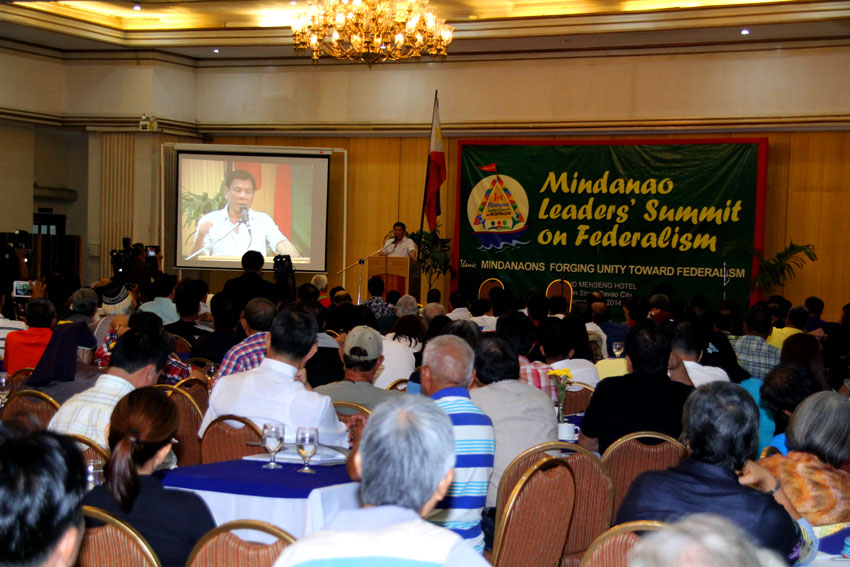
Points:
x=256 y=525
x=126 y=529
x=637 y=526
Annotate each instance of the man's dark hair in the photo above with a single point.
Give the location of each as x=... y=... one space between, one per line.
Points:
x=84 y=302
x=495 y=360
x=518 y=329
x=315 y=309
x=40 y=313
x=798 y=317
x=401 y=224
x=538 y=307
x=252 y=261
x=375 y=285
x=457 y=300
x=308 y=292
x=814 y=305
x=42 y=484
x=434 y=296
x=293 y=333
x=688 y=338
x=720 y=425
x=558 y=305
x=259 y=313
x=556 y=341
x=239 y=174
x=465 y=329
x=648 y=347
x=137 y=348
x=164 y=285
x=784 y=387
x=758 y=321
x=637 y=306
x=224 y=311
x=358 y=365
x=186 y=301
x=600 y=312
x=145 y=321
x=480 y=307
x=393 y=296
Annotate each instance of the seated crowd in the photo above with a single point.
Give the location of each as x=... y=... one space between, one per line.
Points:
x=485 y=381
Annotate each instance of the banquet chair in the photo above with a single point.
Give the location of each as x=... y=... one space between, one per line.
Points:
x=182 y=346
x=533 y=525
x=611 y=549
x=196 y=388
x=188 y=447
x=344 y=411
x=399 y=385
x=19 y=379
x=630 y=455
x=200 y=362
x=92 y=451
x=115 y=543
x=594 y=493
x=30 y=407
x=577 y=400
x=220 y=547
x=563 y=288
x=223 y=442
x=487 y=285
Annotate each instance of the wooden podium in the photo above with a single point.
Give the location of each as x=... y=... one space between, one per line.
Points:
x=400 y=274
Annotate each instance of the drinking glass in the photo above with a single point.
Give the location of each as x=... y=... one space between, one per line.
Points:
x=5 y=388
x=618 y=349
x=94 y=473
x=272 y=441
x=306 y=441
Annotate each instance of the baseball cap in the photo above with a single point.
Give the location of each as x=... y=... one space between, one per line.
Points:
x=367 y=339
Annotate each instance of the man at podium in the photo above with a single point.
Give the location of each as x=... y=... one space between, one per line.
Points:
x=399 y=245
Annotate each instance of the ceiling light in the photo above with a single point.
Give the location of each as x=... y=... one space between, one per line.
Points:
x=745 y=32
x=215 y=50
x=137 y=7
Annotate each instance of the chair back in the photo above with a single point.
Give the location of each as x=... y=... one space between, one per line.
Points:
x=399 y=385
x=594 y=493
x=487 y=285
x=196 y=388
x=30 y=407
x=344 y=411
x=630 y=455
x=200 y=362
x=563 y=288
x=612 y=548
x=223 y=442
x=576 y=400
x=220 y=547
x=91 y=450
x=115 y=543
x=188 y=447
x=182 y=346
x=534 y=523
x=19 y=379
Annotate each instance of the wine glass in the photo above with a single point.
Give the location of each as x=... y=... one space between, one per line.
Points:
x=306 y=441
x=618 y=349
x=5 y=388
x=272 y=441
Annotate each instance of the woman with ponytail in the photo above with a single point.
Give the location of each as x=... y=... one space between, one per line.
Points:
x=140 y=435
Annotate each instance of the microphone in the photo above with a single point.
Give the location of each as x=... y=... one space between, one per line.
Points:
x=244 y=210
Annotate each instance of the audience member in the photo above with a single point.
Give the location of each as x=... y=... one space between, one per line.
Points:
x=405 y=306
x=361 y=356
x=42 y=484
x=636 y=309
x=460 y=311
x=558 y=306
x=754 y=353
x=815 y=307
x=137 y=360
x=393 y=296
x=431 y=310
x=720 y=422
x=163 y=304
x=7 y=325
x=399 y=360
x=25 y=347
x=805 y=350
x=307 y=292
x=83 y=306
x=118 y=304
x=213 y=346
x=689 y=343
x=465 y=329
x=482 y=315
x=446 y=374
x=406 y=459
x=646 y=399
x=324 y=367
x=659 y=309
x=614 y=332
x=818 y=438
x=276 y=390
x=798 y=318
x=782 y=390
x=376 y=303
x=519 y=330
x=188 y=305
x=250 y=284
x=433 y=296
x=321 y=283
x=141 y=430
x=256 y=320
x=522 y=415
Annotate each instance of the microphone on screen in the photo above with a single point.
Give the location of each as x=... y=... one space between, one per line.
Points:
x=244 y=210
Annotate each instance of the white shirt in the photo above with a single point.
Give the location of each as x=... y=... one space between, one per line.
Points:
x=582 y=370
x=398 y=363
x=270 y=392
x=460 y=314
x=263 y=233
x=402 y=249
x=700 y=374
x=486 y=322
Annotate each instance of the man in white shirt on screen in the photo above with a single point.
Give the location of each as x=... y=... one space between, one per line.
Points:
x=399 y=245
x=236 y=228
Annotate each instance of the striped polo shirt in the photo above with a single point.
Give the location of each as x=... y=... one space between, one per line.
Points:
x=460 y=510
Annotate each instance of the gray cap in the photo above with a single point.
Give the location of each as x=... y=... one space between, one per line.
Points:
x=367 y=339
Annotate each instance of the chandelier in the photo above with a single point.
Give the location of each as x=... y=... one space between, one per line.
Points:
x=370 y=30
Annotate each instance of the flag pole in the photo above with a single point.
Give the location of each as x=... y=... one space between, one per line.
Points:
x=427 y=175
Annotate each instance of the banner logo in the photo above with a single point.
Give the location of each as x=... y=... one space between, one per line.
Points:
x=497 y=210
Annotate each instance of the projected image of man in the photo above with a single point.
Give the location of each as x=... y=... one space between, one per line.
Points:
x=237 y=228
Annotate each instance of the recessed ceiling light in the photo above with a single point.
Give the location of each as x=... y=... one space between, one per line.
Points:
x=215 y=50
x=745 y=32
x=293 y=2
x=137 y=7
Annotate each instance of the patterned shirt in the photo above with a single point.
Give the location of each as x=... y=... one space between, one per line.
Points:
x=755 y=355
x=537 y=374
x=379 y=307
x=244 y=356
x=88 y=412
x=173 y=371
x=460 y=510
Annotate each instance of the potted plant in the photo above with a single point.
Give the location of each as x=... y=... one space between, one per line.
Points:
x=435 y=253
x=774 y=272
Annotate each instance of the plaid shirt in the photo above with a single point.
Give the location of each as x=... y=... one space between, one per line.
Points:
x=537 y=374
x=173 y=372
x=244 y=356
x=88 y=412
x=755 y=355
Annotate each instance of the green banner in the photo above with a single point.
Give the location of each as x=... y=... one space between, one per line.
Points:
x=618 y=218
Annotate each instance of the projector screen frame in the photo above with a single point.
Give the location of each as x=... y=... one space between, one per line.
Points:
x=318 y=262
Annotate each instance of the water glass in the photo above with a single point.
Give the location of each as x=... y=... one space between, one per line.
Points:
x=307 y=442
